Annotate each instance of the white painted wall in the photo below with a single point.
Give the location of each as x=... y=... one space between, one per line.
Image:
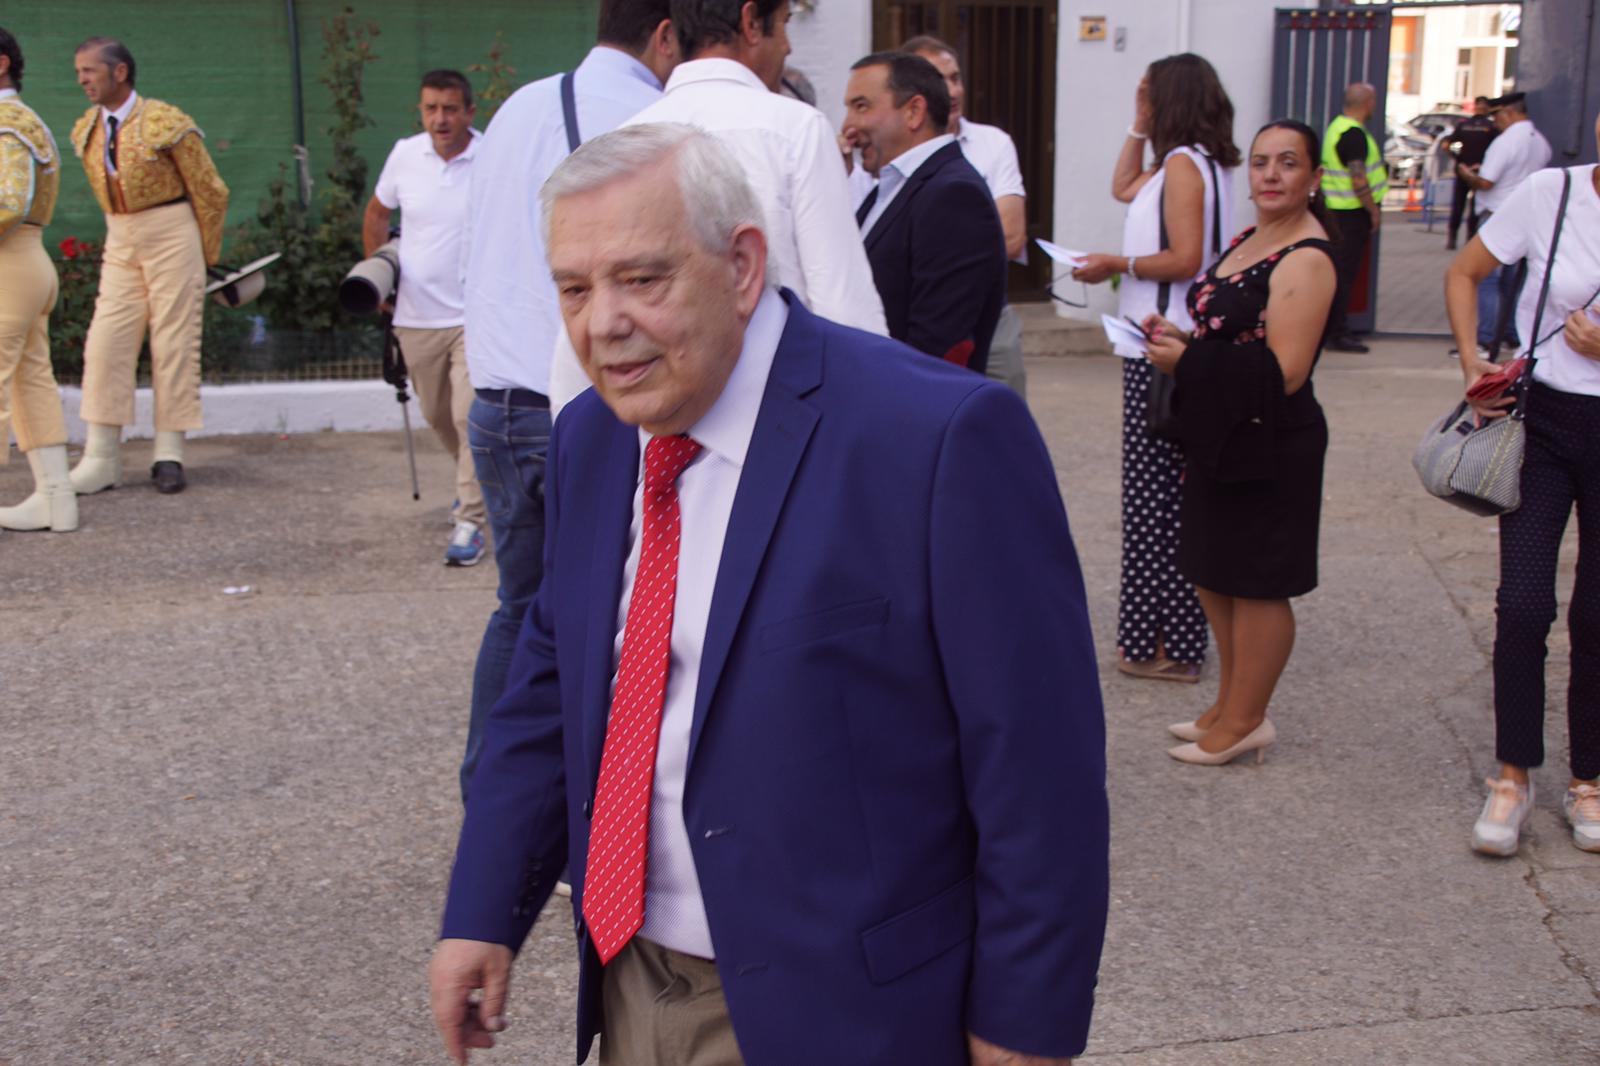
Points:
x=1094 y=104
x=824 y=43
x=282 y=407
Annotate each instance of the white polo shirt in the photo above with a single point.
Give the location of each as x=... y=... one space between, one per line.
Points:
x=431 y=195
x=1514 y=155
x=993 y=154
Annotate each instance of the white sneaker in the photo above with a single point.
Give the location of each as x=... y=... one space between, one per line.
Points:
x=1504 y=813
x=1582 y=805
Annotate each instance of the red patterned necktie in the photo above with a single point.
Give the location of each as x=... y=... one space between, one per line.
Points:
x=613 y=891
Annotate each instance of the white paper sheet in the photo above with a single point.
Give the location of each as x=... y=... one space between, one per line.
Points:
x=1121 y=331
x=1060 y=254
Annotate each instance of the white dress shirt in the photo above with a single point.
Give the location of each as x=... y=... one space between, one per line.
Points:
x=1512 y=157
x=892 y=176
x=674 y=910
x=431 y=194
x=121 y=115
x=791 y=158
x=510 y=310
x=6 y=94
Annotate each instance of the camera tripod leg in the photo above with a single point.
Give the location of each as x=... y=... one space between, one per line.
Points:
x=411 y=448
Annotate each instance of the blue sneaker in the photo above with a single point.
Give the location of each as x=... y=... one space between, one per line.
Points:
x=466 y=546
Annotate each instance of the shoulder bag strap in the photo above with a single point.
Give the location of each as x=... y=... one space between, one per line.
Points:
x=569 y=111
x=1164 y=292
x=1544 y=292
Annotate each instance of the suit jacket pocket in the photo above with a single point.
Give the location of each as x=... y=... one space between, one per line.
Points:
x=821 y=624
x=896 y=947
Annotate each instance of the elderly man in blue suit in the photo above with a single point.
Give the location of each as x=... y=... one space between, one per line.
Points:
x=815 y=810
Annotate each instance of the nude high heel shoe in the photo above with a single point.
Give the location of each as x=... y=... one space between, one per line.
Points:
x=1185 y=731
x=1257 y=740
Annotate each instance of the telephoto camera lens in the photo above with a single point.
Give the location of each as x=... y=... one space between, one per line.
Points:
x=371 y=282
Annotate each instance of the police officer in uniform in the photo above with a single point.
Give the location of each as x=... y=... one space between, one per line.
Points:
x=30 y=175
x=164 y=202
x=1354 y=179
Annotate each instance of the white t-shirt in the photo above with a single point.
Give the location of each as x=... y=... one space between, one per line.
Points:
x=1516 y=153
x=1522 y=228
x=1141 y=235
x=431 y=194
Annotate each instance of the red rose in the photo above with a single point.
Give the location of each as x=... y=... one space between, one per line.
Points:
x=70 y=247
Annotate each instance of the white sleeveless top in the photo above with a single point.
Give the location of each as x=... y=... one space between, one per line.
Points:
x=1141 y=236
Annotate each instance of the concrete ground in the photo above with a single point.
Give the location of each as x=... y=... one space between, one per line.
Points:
x=226 y=819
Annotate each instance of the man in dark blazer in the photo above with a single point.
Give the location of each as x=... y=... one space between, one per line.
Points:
x=815 y=809
x=933 y=237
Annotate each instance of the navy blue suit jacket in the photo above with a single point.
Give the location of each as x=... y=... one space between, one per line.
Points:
x=896 y=783
x=938 y=257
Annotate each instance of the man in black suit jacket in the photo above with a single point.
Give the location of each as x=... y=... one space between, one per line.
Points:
x=933 y=237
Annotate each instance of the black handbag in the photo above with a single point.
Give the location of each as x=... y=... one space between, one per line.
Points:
x=1161 y=401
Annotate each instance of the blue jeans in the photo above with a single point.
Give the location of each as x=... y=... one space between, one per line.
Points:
x=1497 y=305
x=509 y=445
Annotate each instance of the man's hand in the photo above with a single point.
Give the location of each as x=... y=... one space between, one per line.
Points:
x=1582 y=334
x=459 y=968
x=986 y=1054
x=1376 y=214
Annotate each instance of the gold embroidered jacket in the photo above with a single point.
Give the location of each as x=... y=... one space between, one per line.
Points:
x=30 y=167
x=161 y=156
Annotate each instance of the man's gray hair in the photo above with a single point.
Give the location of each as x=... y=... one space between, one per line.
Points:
x=716 y=195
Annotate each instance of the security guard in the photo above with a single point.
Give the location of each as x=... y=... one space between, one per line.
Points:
x=164 y=204
x=30 y=175
x=1354 y=179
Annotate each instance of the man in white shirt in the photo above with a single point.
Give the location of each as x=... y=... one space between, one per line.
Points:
x=426 y=179
x=993 y=155
x=727 y=85
x=1517 y=153
x=511 y=316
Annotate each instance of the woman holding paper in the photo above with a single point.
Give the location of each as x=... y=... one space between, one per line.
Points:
x=1254 y=437
x=1179 y=211
x=1560 y=473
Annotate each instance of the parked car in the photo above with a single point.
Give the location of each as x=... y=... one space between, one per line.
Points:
x=1406 y=148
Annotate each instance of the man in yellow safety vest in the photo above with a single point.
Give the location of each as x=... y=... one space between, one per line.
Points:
x=1354 y=179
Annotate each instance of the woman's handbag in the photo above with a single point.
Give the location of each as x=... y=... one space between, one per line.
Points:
x=1160 y=402
x=1477 y=464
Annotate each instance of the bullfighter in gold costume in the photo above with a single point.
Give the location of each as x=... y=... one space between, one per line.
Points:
x=164 y=202
x=30 y=175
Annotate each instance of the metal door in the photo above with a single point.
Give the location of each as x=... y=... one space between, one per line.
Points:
x=1315 y=54
x=1007 y=50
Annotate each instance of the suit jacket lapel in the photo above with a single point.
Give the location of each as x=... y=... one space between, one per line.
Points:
x=930 y=166
x=620 y=473
x=783 y=430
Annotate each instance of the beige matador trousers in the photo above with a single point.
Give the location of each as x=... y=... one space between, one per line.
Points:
x=28 y=392
x=436 y=359
x=153 y=275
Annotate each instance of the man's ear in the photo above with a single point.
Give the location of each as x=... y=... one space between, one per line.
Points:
x=750 y=23
x=664 y=41
x=916 y=113
x=119 y=73
x=749 y=262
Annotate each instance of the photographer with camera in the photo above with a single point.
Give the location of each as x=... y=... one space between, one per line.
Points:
x=426 y=178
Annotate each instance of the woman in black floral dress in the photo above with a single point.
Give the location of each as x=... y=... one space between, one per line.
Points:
x=1254 y=437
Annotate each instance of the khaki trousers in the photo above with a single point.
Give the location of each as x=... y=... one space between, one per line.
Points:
x=437 y=362
x=664 y=1008
x=27 y=384
x=152 y=276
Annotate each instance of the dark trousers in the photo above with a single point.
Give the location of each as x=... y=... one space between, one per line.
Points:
x=509 y=444
x=1498 y=295
x=1560 y=469
x=1349 y=250
x=1460 y=199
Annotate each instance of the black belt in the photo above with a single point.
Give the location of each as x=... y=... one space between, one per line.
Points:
x=515 y=398
x=164 y=203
